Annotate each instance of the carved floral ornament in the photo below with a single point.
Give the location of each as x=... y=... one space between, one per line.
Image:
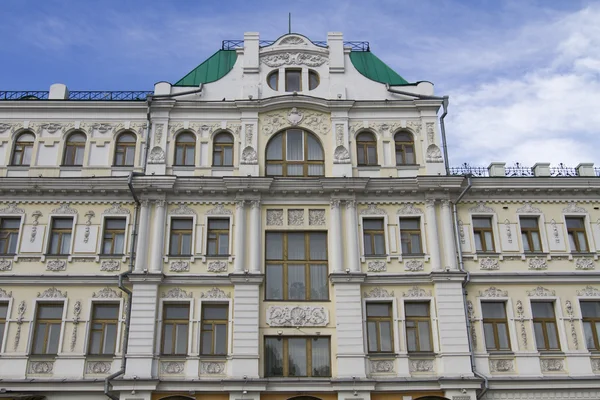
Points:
x=182 y=209
x=12 y=209
x=378 y=292
x=116 y=208
x=215 y=293
x=541 y=292
x=372 y=209
x=481 y=208
x=293 y=316
x=493 y=292
x=177 y=293
x=315 y=121
x=416 y=292
x=293 y=58
x=409 y=209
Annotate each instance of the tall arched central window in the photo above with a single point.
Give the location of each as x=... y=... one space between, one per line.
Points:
x=23 y=149
x=185 y=149
x=295 y=152
x=74 y=149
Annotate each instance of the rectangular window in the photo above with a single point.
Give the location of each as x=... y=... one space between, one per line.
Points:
x=297 y=356
x=495 y=326
x=483 y=234
x=293 y=80
x=590 y=311
x=47 y=328
x=418 y=327
x=379 y=327
x=113 y=240
x=410 y=236
x=180 y=243
x=60 y=236
x=576 y=231
x=544 y=323
x=374 y=236
x=3 y=315
x=218 y=237
x=296 y=264
x=9 y=234
x=176 y=318
x=530 y=234
x=103 y=332
x=214 y=329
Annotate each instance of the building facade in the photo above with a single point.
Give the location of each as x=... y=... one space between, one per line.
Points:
x=281 y=223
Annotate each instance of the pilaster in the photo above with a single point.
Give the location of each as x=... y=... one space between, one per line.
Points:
x=448 y=232
x=255 y=236
x=158 y=239
x=352 y=253
x=239 y=236
x=141 y=255
x=433 y=244
x=335 y=234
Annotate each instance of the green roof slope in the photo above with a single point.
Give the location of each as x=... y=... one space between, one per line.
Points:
x=214 y=68
x=373 y=68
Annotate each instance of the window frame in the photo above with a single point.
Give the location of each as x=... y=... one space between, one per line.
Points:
x=541 y=223
x=34 y=322
x=275 y=73
x=390 y=318
x=185 y=146
x=220 y=147
x=76 y=145
x=285 y=77
x=402 y=145
x=315 y=73
x=557 y=317
x=284 y=162
x=88 y=344
x=119 y=147
x=420 y=232
x=596 y=332
x=103 y=230
x=22 y=150
x=4 y=338
x=430 y=319
x=493 y=227
x=201 y=303
x=306 y=263
x=230 y=235
x=385 y=236
x=362 y=146
x=172 y=217
x=285 y=359
x=202 y=322
x=21 y=218
x=494 y=322
x=161 y=323
x=587 y=229
x=48 y=243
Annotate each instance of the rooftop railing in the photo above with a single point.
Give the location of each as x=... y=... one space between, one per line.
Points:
x=83 y=95
x=353 y=45
x=519 y=170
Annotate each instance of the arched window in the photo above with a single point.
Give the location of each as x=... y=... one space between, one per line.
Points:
x=23 y=149
x=405 y=148
x=125 y=150
x=366 y=149
x=294 y=152
x=185 y=149
x=74 y=149
x=223 y=150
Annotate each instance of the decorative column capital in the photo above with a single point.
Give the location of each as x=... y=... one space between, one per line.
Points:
x=145 y=202
x=255 y=204
x=430 y=203
x=335 y=204
x=160 y=203
x=350 y=204
x=445 y=203
x=240 y=204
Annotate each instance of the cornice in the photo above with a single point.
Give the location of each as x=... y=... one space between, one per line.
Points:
x=579 y=277
x=66 y=279
x=73 y=105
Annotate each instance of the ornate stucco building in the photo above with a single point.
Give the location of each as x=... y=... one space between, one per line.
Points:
x=282 y=223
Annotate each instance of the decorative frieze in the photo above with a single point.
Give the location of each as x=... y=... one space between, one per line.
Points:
x=461 y=232
x=573 y=208
x=538 y=263
x=110 y=265
x=378 y=293
x=501 y=365
x=156 y=156
x=589 y=291
x=508 y=231
x=179 y=266
x=293 y=58
x=107 y=293
x=376 y=266
x=541 y=292
x=215 y=293
x=420 y=365
x=52 y=293
x=416 y=292
x=5 y=265
x=12 y=209
x=316 y=217
x=4 y=294
x=172 y=367
x=528 y=208
x=21 y=315
x=295 y=217
x=116 y=209
x=555 y=231
x=274 y=217
x=76 y=314
x=64 y=209
x=212 y=368
x=489 y=263
x=182 y=209
x=86 y=235
x=177 y=293
x=552 y=364
x=294 y=316
x=382 y=366
x=584 y=264
x=97 y=367
x=571 y=319
x=41 y=367
x=409 y=209
x=521 y=319
x=413 y=265
x=472 y=320
x=217 y=266
x=372 y=209
x=481 y=208
x=493 y=291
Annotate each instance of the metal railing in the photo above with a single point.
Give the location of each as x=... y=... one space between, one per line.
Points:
x=95 y=95
x=466 y=169
x=563 y=170
x=519 y=170
x=354 y=45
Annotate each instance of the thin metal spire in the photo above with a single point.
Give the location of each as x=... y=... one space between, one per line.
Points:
x=289 y=22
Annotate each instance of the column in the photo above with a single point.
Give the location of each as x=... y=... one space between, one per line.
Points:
x=141 y=255
x=239 y=234
x=448 y=232
x=255 y=236
x=433 y=246
x=158 y=241
x=335 y=235
x=352 y=253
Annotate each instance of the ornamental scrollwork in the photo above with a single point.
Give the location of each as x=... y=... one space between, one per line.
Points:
x=571 y=318
x=552 y=364
x=421 y=366
x=110 y=265
x=41 y=367
x=64 y=209
x=489 y=263
x=215 y=293
x=21 y=315
x=376 y=266
x=573 y=208
x=413 y=265
x=541 y=292
x=177 y=293
x=217 y=266
x=5 y=265
x=521 y=319
x=219 y=209
x=296 y=217
x=382 y=366
x=589 y=291
x=493 y=292
x=316 y=217
x=416 y=292
x=584 y=264
x=372 y=209
x=249 y=156
x=501 y=365
x=537 y=263
x=528 y=208
x=182 y=209
x=481 y=208
x=293 y=58
x=98 y=367
x=179 y=266
x=52 y=293
x=12 y=209
x=107 y=293
x=156 y=156
x=341 y=155
x=294 y=316
x=172 y=367
x=56 y=265
x=409 y=209
x=378 y=292
x=212 y=368
x=115 y=208
x=274 y=217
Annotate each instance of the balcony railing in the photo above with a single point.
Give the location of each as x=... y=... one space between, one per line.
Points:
x=354 y=45
x=519 y=170
x=80 y=95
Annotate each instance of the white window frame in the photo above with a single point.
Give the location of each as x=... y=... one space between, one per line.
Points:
x=363 y=257
x=8 y=320
x=423 y=235
x=395 y=325
x=193 y=217
x=510 y=322
x=205 y=237
x=100 y=245
x=229 y=303
x=542 y=229
x=51 y=217
x=588 y=232
x=495 y=232
x=558 y=316
x=88 y=324
x=159 y=332
x=433 y=322
x=578 y=315
x=32 y=323
x=20 y=234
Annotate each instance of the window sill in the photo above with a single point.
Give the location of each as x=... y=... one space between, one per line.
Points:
x=298 y=301
x=111 y=255
x=100 y=356
x=19 y=167
x=551 y=353
x=223 y=167
x=535 y=254
x=582 y=253
x=487 y=254
x=210 y=256
x=371 y=256
x=123 y=167
x=71 y=167
x=408 y=166
x=8 y=255
x=494 y=353
x=386 y=354
x=57 y=255
x=423 y=354
x=180 y=255
x=369 y=167
x=184 y=167
x=217 y=357
x=413 y=255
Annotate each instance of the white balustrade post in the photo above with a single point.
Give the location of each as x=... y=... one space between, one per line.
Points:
x=141 y=255
x=449 y=247
x=240 y=233
x=433 y=245
x=352 y=253
x=335 y=236
x=255 y=236
x=158 y=241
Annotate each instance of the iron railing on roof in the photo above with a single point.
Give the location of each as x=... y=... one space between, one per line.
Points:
x=466 y=169
x=354 y=45
x=97 y=95
x=597 y=171
x=519 y=170
x=563 y=170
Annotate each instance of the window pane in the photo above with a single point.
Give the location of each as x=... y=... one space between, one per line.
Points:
x=503 y=336
x=525 y=240
x=79 y=155
x=50 y=311
x=410 y=154
x=417 y=309
x=53 y=336
x=217 y=160
x=273 y=357
x=206 y=342
x=535 y=238
x=173 y=311
x=27 y=155
x=181 y=224
x=189 y=155
x=228 y=156
x=174 y=248
x=574 y=222
x=589 y=334
x=490 y=341
x=295 y=246
x=274 y=149
x=220 y=339
x=223 y=244
x=297 y=357
x=582 y=241
x=379 y=244
x=274 y=282
x=385 y=333
x=318 y=246
x=318 y=282
x=315 y=152
x=320 y=357
x=360 y=153
x=168 y=339
x=489 y=241
x=482 y=222
x=590 y=309
x=129 y=155
x=273 y=78
x=274 y=169
x=315 y=170
x=66 y=243
x=529 y=222
x=181 y=339
x=3 y=311
x=368 y=245
x=215 y=312
x=119 y=243
x=493 y=310
x=424 y=336
x=295 y=150
x=552 y=338
x=372 y=336
x=411 y=339
x=410 y=223
x=62 y=223
x=542 y=309
x=296 y=282
x=378 y=310
x=106 y=311
x=95 y=340
x=373 y=223
x=12 y=243
x=274 y=246
x=54 y=242
x=539 y=335
x=179 y=155
x=478 y=243
x=110 y=339
x=415 y=243
x=40 y=332
x=313 y=80
x=186 y=244
x=372 y=155
x=292 y=80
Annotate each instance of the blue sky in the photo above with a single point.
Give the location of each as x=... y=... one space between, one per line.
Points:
x=523 y=76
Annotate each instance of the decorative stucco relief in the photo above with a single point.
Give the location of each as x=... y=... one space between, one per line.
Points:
x=177 y=293
x=571 y=318
x=420 y=365
x=293 y=58
x=212 y=368
x=434 y=154
x=5 y=265
x=573 y=208
x=107 y=293
x=316 y=121
x=501 y=365
x=56 y=265
x=215 y=293
x=413 y=265
x=378 y=293
x=52 y=293
x=429 y=127
x=182 y=209
x=316 y=217
x=416 y=292
x=110 y=265
x=409 y=209
x=172 y=367
x=97 y=367
x=584 y=264
x=341 y=155
x=294 y=316
x=589 y=291
x=64 y=209
x=116 y=209
x=217 y=266
x=158 y=132
x=235 y=128
x=372 y=209
x=521 y=319
x=88 y=215
x=292 y=40
x=249 y=156
x=489 y=263
x=382 y=366
x=552 y=364
x=538 y=263
x=376 y=266
x=274 y=217
x=541 y=292
x=40 y=367
x=156 y=156
x=528 y=208
x=76 y=314
x=481 y=208
x=555 y=231
x=12 y=209
x=493 y=292
x=21 y=315
x=219 y=210
x=295 y=217
x=472 y=320
x=179 y=266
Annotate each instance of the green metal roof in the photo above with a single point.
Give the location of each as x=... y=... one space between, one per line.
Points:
x=373 y=68
x=214 y=68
